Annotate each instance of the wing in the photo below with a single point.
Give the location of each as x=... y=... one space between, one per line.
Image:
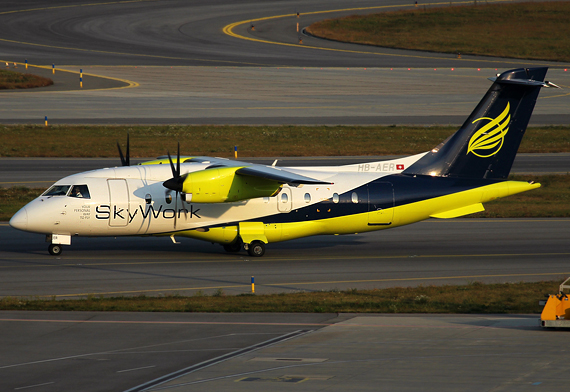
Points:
x=225 y=181
x=279 y=175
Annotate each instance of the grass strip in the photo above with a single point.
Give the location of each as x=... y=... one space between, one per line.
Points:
x=252 y=141
x=550 y=200
x=14 y=198
x=533 y=30
x=473 y=297
x=10 y=80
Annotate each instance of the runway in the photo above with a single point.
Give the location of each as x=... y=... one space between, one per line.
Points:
x=175 y=62
x=454 y=251
x=269 y=96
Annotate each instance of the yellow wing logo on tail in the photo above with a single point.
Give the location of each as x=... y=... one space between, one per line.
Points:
x=488 y=140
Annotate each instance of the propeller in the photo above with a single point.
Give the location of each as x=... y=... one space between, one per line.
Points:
x=125 y=160
x=176 y=182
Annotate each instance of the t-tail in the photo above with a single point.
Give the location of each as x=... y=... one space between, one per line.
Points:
x=487 y=143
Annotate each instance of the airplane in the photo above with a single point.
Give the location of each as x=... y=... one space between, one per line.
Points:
x=246 y=206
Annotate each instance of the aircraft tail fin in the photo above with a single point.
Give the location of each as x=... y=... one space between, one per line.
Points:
x=487 y=143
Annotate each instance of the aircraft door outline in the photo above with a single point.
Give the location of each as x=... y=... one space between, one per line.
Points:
x=380 y=204
x=119 y=202
x=285 y=200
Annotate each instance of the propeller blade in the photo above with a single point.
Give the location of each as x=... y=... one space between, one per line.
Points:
x=171 y=165
x=175 y=210
x=125 y=160
x=176 y=182
x=178 y=162
x=128 y=157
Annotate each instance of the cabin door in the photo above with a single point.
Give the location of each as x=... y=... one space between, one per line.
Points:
x=380 y=203
x=119 y=202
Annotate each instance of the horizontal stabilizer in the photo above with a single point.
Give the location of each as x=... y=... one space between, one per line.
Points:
x=473 y=208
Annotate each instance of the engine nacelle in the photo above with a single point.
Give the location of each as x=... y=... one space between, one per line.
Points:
x=221 y=185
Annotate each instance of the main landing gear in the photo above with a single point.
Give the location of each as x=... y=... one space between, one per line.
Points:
x=233 y=248
x=55 y=249
x=254 y=249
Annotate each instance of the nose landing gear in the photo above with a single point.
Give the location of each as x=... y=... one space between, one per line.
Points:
x=55 y=249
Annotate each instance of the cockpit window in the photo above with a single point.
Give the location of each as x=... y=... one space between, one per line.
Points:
x=57 y=190
x=80 y=191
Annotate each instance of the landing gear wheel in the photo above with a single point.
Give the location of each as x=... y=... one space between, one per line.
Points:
x=55 y=249
x=233 y=248
x=256 y=249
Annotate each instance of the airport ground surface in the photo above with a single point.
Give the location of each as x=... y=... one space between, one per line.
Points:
x=270 y=96
x=137 y=351
x=436 y=252
x=279 y=82
x=175 y=62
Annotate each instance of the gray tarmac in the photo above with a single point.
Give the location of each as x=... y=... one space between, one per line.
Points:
x=191 y=33
x=269 y=96
x=398 y=353
x=64 y=351
x=181 y=68
x=455 y=251
x=112 y=352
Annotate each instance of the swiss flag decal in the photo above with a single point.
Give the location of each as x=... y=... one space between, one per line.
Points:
x=399 y=167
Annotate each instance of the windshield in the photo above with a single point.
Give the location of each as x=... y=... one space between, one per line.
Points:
x=57 y=190
x=80 y=191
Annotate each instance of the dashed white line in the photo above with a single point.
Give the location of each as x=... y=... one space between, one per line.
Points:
x=140 y=368
x=33 y=386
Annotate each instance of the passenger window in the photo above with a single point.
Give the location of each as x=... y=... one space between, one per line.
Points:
x=57 y=190
x=284 y=198
x=307 y=198
x=354 y=197
x=148 y=198
x=80 y=191
x=167 y=198
x=336 y=198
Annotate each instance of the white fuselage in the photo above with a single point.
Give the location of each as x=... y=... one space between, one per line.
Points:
x=133 y=201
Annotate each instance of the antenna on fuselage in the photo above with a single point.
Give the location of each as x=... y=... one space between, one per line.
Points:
x=125 y=160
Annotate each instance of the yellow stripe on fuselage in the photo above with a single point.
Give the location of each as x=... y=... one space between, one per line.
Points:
x=358 y=223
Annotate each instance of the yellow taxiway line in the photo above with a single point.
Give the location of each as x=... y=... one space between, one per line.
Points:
x=229 y=30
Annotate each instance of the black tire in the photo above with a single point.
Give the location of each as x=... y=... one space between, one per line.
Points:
x=55 y=249
x=233 y=248
x=256 y=249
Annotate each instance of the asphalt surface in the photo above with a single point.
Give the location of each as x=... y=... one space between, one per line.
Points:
x=175 y=62
x=111 y=352
x=431 y=252
x=181 y=32
x=83 y=351
x=156 y=62
x=270 y=95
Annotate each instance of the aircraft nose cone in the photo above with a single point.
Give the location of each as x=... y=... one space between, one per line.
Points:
x=20 y=220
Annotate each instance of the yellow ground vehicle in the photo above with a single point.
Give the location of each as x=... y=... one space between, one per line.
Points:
x=556 y=312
